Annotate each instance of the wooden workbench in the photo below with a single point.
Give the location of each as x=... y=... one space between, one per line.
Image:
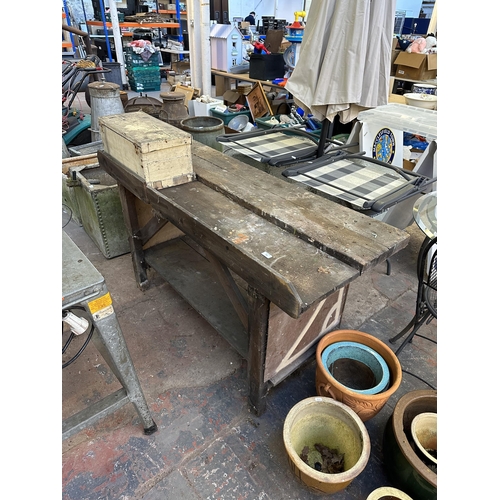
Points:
x=266 y=262
x=224 y=81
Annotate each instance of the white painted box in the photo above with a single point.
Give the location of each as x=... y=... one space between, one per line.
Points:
x=155 y=150
x=202 y=108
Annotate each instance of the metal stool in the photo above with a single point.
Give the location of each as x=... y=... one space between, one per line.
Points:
x=83 y=285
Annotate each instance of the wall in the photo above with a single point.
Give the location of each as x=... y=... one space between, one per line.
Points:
x=79 y=11
x=284 y=9
x=280 y=9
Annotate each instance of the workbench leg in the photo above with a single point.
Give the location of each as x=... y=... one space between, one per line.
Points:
x=221 y=85
x=258 y=321
x=132 y=224
x=109 y=341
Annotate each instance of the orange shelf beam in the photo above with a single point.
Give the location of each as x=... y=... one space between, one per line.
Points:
x=136 y=25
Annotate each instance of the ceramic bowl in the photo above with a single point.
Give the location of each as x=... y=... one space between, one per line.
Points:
x=426 y=101
x=424 y=88
x=238 y=122
x=424 y=433
x=363 y=354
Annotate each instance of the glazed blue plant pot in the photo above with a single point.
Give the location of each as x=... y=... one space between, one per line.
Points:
x=363 y=354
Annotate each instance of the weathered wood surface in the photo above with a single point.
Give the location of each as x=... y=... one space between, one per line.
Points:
x=289 y=271
x=350 y=236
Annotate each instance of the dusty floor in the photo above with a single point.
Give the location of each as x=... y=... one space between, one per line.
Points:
x=208 y=443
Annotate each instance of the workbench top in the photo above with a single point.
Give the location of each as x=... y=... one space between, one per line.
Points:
x=292 y=245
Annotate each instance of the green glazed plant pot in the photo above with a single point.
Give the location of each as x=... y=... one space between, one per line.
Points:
x=403 y=466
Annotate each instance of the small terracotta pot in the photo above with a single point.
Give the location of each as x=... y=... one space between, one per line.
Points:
x=403 y=465
x=365 y=405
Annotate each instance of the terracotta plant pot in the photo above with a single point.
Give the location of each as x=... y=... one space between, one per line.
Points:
x=403 y=465
x=365 y=405
x=332 y=424
x=387 y=493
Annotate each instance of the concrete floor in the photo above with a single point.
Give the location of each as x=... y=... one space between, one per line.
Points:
x=208 y=444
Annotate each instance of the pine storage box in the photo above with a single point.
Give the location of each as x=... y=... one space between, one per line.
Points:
x=155 y=150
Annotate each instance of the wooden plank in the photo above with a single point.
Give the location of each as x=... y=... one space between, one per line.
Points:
x=194 y=279
x=78 y=161
x=289 y=271
x=242 y=77
x=350 y=236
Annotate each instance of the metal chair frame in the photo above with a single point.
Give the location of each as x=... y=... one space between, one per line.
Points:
x=426 y=306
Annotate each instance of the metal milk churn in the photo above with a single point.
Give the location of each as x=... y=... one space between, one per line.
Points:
x=104 y=100
x=173 y=110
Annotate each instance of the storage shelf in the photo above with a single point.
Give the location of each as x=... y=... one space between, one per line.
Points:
x=194 y=279
x=136 y=25
x=183 y=12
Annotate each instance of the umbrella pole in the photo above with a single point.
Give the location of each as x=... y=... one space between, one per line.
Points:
x=326 y=133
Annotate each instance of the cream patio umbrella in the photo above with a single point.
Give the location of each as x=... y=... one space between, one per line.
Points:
x=345 y=59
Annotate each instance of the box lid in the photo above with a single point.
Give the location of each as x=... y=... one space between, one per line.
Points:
x=145 y=131
x=411 y=60
x=401 y=117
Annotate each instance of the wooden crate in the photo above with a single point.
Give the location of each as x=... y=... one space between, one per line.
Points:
x=155 y=150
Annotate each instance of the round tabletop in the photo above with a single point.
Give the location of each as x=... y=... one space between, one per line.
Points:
x=425 y=214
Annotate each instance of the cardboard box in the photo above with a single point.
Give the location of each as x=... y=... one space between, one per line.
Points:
x=155 y=150
x=180 y=66
x=408 y=165
x=394 y=54
x=416 y=66
x=232 y=97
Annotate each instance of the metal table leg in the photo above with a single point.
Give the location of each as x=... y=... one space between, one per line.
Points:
x=83 y=285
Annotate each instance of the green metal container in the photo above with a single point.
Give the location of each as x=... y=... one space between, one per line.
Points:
x=204 y=129
x=100 y=210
